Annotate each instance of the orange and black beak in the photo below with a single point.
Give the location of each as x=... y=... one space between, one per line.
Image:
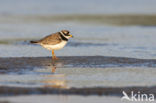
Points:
x=71 y=35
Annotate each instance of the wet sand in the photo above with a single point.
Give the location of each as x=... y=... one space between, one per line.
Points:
x=99 y=91
x=118 y=19
x=86 y=72
x=15 y=63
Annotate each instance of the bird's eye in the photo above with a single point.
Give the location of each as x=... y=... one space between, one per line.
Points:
x=66 y=33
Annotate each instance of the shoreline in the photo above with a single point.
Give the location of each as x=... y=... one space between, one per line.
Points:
x=17 y=65
x=75 y=61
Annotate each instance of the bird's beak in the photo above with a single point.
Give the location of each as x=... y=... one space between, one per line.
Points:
x=71 y=35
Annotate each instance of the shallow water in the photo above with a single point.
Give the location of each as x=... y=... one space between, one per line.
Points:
x=129 y=41
x=59 y=99
x=78 y=77
x=81 y=6
x=119 y=31
x=78 y=71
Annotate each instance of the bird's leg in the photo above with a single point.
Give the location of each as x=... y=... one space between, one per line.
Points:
x=53 y=55
x=53 y=62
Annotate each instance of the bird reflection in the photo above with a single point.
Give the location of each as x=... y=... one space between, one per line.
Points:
x=53 y=66
x=55 y=80
x=58 y=82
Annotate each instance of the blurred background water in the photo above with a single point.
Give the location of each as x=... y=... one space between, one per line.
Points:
x=123 y=28
x=120 y=28
x=73 y=6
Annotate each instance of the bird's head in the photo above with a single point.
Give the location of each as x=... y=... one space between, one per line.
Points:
x=66 y=34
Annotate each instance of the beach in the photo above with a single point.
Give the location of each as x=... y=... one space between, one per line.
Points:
x=112 y=54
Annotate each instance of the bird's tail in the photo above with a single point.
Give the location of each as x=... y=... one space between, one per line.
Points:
x=34 y=42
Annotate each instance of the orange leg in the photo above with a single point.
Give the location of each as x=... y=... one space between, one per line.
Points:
x=54 y=56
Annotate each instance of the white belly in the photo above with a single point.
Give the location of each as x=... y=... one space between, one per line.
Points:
x=55 y=47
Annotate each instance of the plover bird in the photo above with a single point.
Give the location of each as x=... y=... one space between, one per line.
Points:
x=54 y=41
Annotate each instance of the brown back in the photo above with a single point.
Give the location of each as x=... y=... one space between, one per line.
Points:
x=51 y=39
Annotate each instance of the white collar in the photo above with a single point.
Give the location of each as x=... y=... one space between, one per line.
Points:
x=62 y=33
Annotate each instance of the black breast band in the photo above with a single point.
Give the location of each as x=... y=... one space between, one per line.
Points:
x=62 y=37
